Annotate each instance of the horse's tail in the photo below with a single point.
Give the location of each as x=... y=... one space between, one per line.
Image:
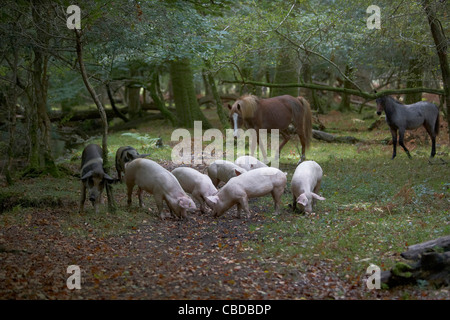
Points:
x=303 y=118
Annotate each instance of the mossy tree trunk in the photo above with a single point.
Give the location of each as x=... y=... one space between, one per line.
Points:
x=286 y=72
x=441 y=42
x=134 y=103
x=185 y=98
x=41 y=158
x=155 y=94
x=414 y=81
x=223 y=115
x=345 y=97
x=310 y=94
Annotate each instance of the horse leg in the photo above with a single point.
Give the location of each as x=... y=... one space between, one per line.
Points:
x=401 y=133
x=253 y=145
x=433 y=146
x=303 y=143
x=286 y=138
x=394 y=142
x=433 y=139
x=261 y=146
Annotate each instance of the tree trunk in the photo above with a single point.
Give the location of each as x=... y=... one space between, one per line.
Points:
x=101 y=110
x=154 y=94
x=286 y=72
x=331 y=81
x=310 y=94
x=41 y=159
x=223 y=116
x=441 y=47
x=207 y=86
x=186 y=103
x=113 y=104
x=11 y=102
x=345 y=102
x=414 y=81
x=134 y=103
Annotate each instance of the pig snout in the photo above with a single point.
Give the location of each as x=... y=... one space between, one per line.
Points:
x=94 y=194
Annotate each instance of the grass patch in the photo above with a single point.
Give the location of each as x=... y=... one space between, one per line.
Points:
x=374 y=208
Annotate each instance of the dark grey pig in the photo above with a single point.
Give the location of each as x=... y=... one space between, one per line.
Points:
x=93 y=176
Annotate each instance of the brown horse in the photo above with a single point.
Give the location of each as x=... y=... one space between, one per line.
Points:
x=274 y=113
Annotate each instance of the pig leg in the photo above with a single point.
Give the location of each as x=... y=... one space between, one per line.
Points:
x=139 y=193
x=276 y=195
x=243 y=202
x=316 y=191
x=129 y=193
x=239 y=208
x=198 y=197
x=83 y=197
x=159 y=204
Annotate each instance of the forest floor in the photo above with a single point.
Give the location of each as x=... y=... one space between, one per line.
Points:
x=375 y=208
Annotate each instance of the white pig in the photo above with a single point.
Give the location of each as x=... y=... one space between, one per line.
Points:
x=249 y=163
x=223 y=170
x=305 y=185
x=199 y=185
x=153 y=178
x=252 y=184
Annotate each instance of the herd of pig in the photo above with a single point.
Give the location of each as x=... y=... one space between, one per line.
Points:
x=246 y=178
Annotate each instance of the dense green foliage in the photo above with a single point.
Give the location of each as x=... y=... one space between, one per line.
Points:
x=133 y=47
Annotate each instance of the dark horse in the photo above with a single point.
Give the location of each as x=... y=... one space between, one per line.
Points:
x=274 y=113
x=404 y=117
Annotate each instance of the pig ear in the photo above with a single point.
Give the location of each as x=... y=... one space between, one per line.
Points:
x=302 y=199
x=185 y=203
x=316 y=196
x=213 y=199
x=144 y=155
x=87 y=175
x=108 y=178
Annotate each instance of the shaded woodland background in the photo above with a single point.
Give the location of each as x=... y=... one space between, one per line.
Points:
x=137 y=70
x=171 y=59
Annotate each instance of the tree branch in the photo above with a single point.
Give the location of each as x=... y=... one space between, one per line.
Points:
x=363 y=94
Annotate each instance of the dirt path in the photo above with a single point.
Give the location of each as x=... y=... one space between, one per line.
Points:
x=201 y=258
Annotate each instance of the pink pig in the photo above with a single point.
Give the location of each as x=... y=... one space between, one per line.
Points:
x=223 y=170
x=153 y=178
x=305 y=185
x=199 y=185
x=251 y=184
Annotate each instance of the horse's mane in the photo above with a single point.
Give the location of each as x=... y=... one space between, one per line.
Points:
x=392 y=99
x=249 y=104
x=304 y=101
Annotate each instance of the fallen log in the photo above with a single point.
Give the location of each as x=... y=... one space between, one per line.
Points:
x=416 y=250
x=94 y=114
x=430 y=263
x=328 y=137
x=223 y=97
